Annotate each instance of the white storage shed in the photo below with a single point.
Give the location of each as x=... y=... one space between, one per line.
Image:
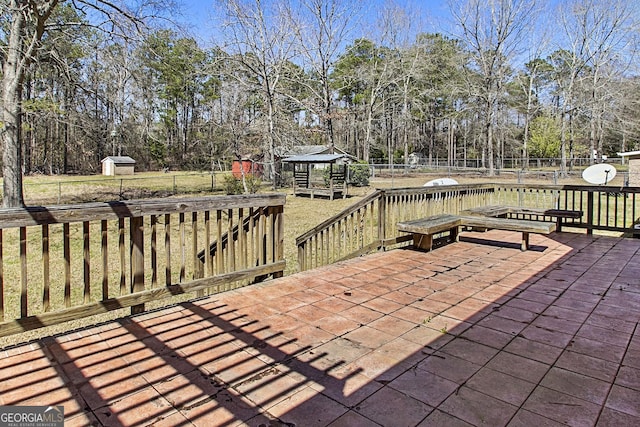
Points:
x=118 y=165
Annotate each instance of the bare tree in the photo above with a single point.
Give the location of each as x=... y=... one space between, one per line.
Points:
x=26 y=27
x=625 y=113
x=492 y=31
x=594 y=41
x=529 y=81
x=28 y=22
x=262 y=45
x=401 y=66
x=608 y=30
x=321 y=28
x=384 y=68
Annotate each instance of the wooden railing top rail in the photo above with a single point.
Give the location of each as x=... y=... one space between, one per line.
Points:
x=435 y=189
x=571 y=187
x=348 y=211
x=38 y=215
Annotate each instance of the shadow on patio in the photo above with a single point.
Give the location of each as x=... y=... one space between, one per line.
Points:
x=469 y=334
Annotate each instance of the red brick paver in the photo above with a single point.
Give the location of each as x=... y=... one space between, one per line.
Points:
x=473 y=333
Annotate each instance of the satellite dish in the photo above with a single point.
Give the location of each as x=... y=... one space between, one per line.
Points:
x=599 y=174
x=441 y=181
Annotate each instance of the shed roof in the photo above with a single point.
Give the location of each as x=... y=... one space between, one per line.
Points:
x=120 y=160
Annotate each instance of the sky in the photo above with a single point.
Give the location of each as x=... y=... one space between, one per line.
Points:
x=202 y=21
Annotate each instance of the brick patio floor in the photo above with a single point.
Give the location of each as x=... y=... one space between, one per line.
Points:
x=474 y=333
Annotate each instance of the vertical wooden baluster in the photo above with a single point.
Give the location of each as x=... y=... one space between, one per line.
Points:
x=167 y=248
x=625 y=206
x=197 y=271
x=207 y=247
x=360 y=244
x=321 y=250
x=24 y=299
x=153 y=222
x=302 y=261
x=262 y=234
x=279 y=237
x=368 y=211
x=338 y=227
x=333 y=240
x=590 y=212
x=219 y=254
x=242 y=240
x=321 y=247
x=104 y=226
x=86 y=262
x=198 y=267
x=634 y=210
x=327 y=233
x=231 y=259
x=123 y=260
x=315 y=252
x=183 y=243
x=615 y=211
x=251 y=234
x=382 y=201
x=352 y=229
x=67 y=264
x=46 y=292
x=269 y=242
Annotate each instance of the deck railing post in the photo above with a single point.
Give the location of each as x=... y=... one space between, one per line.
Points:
x=302 y=262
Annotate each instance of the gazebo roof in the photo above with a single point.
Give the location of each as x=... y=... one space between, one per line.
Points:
x=315 y=158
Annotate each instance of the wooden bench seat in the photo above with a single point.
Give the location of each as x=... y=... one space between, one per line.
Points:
x=525 y=226
x=424 y=229
x=524 y=212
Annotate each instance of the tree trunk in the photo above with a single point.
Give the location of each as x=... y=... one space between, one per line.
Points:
x=18 y=54
x=13 y=75
x=488 y=134
x=368 y=126
x=563 y=144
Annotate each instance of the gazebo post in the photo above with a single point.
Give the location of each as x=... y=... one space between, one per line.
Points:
x=331 y=181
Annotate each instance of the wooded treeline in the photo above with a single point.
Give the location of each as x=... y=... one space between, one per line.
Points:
x=512 y=79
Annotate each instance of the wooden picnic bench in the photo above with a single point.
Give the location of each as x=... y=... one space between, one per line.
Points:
x=424 y=229
x=523 y=212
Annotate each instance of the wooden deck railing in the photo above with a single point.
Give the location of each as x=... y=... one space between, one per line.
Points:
x=66 y=262
x=370 y=224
